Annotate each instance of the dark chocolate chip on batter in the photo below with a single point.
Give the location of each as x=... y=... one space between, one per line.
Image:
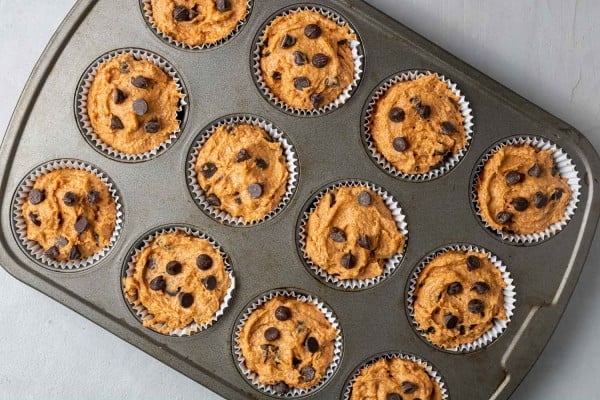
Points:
x=540 y=200
x=81 y=224
x=61 y=241
x=281 y=387
x=316 y=99
x=255 y=190
x=116 y=123
x=504 y=217
x=272 y=334
x=276 y=75
x=70 y=199
x=364 y=198
x=311 y=344
x=92 y=197
x=140 y=107
x=74 y=253
x=396 y=114
x=312 y=31
x=557 y=194
x=454 y=288
x=35 y=219
x=480 y=287
x=204 y=262
x=210 y=282
x=288 y=41
x=520 y=203
x=152 y=126
x=450 y=321
x=36 y=196
x=183 y=14
x=242 y=155
x=393 y=396
x=535 y=170
x=158 y=283
x=223 y=5
x=320 y=60
x=213 y=200
x=473 y=263
x=400 y=144
x=139 y=82
x=448 y=128
x=118 y=96
x=348 y=260
x=409 y=387
x=301 y=82
x=513 y=177
x=208 y=170
x=476 y=306
x=308 y=373
x=299 y=58
x=423 y=110
x=283 y=313
x=186 y=300
x=173 y=267
x=260 y=163
x=52 y=253
x=337 y=235
x=364 y=242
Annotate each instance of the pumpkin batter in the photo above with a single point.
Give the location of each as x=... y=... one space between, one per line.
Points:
x=352 y=233
x=306 y=61
x=198 y=22
x=520 y=191
x=385 y=378
x=70 y=213
x=132 y=105
x=457 y=297
x=417 y=124
x=288 y=343
x=179 y=279
x=243 y=171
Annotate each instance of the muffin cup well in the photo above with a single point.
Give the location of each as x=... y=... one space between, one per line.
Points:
x=138 y=309
x=19 y=224
x=357 y=55
x=146 y=7
x=252 y=377
x=381 y=161
x=198 y=193
x=83 y=120
x=431 y=371
x=351 y=284
x=567 y=170
x=498 y=327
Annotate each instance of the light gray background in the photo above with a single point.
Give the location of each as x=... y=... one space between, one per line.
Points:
x=548 y=51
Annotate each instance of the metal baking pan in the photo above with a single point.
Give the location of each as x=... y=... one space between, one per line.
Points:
x=329 y=147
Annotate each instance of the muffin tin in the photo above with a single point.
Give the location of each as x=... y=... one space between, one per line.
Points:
x=219 y=82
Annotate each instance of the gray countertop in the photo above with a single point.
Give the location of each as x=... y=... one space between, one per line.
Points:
x=547 y=51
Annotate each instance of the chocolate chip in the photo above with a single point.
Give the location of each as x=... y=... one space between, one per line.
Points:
x=396 y=114
x=312 y=31
x=301 y=82
x=210 y=282
x=480 y=287
x=124 y=67
x=424 y=111
x=535 y=171
x=81 y=224
x=448 y=128
x=61 y=241
x=476 y=306
x=504 y=217
x=173 y=267
x=288 y=41
x=540 y=200
x=255 y=190
x=348 y=260
x=208 y=170
x=283 y=313
x=331 y=200
x=320 y=60
x=115 y=123
x=337 y=235
x=316 y=100
x=557 y=194
x=308 y=373
x=473 y=263
x=454 y=288
x=242 y=155
x=554 y=170
x=139 y=82
x=276 y=75
x=52 y=253
x=213 y=200
x=69 y=199
x=520 y=203
x=409 y=387
x=158 y=283
x=152 y=126
x=431 y=329
x=450 y=321
x=281 y=387
x=92 y=197
x=299 y=58
x=271 y=334
x=204 y=262
x=223 y=5
x=513 y=177
x=186 y=300
x=393 y=396
x=364 y=242
x=35 y=219
x=415 y=100
x=364 y=198
x=36 y=196
x=182 y=13
x=74 y=253
x=400 y=144
x=262 y=164
x=311 y=344
x=140 y=107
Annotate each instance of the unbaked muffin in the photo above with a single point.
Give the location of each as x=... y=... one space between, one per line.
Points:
x=306 y=59
x=132 y=104
x=521 y=191
x=179 y=279
x=417 y=124
x=70 y=213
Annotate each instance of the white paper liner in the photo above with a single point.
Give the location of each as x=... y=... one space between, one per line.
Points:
x=146 y=6
x=431 y=371
x=390 y=265
x=138 y=308
x=498 y=327
x=81 y=99
x=566 y=169
x=192 y=178
x=451 y=161
x=357 y=55
x=305 y=298
x=20 y=225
